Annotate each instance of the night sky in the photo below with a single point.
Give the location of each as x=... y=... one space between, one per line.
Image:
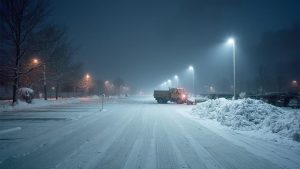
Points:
x=147 y=42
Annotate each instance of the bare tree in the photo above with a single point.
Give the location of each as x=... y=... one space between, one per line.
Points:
x=19 y=20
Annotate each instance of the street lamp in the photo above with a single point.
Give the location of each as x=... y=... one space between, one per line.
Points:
x=87 y=77
x=169 y=82
x=36 y=61
x=177 y=80
x=163 y=85
x=294 y=83
x=53 y=89
x=231 y=41
x=191 y=69
x=107 y=87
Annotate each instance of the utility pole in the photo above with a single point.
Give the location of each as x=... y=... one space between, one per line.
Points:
x=45 y=83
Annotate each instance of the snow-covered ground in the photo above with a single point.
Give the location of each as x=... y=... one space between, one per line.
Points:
x=133 y=132
x=5 y=105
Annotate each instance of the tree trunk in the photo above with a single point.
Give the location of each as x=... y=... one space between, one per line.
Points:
x=15 y=86
x=16 y=75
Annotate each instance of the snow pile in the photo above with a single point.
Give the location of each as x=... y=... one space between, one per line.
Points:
x=25 y=91
x=249 y=114
x=25 y=94
x=6 y=105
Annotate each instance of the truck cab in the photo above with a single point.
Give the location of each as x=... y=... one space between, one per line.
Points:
x=176 y=95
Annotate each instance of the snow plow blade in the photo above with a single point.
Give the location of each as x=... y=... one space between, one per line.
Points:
x=189 y=102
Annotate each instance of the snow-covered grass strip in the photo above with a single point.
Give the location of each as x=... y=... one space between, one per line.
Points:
x=6 y=105
x=10 y=130
x=251 y=115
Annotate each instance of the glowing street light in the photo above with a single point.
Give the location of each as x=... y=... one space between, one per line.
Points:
x=169 y=82
x=231 y=41
x=107 y=87
x=163 y=85
x=87 y=76
x=294 y=83
x=191 y=69
x=88 y=82
x=295 y=86
x=35 y=61
x=177 y=80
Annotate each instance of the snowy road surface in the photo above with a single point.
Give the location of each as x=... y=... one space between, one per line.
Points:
x=129 y=134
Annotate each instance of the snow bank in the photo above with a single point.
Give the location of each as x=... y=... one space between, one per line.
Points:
x=25 y=91
x=6 y=105
x=249 y=114
x=25 y=94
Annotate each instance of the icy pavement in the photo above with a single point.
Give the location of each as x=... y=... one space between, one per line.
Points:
x=130 y=133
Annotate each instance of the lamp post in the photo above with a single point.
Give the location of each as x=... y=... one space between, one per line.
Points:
x=169 y=82
x=295 y=85
x=106 y=87
x=87 y=77
x=177 y=80
x=53 y=89
x=165 y=84
x=231 y=41
x=162 y=86
x=191 y=69
x=45 y=83
x=36 y=61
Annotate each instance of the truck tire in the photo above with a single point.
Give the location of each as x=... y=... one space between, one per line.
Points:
x=165 y=101
x=159 y=100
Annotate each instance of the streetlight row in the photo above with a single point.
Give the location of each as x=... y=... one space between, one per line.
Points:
x=36 y=61
x=230 y=41
x=169 y=81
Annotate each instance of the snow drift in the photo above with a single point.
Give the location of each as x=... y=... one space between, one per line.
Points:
x=249 y=114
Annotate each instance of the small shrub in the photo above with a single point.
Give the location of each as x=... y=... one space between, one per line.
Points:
x=25 y=94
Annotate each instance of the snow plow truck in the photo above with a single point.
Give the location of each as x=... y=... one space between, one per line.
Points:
x=176 y=95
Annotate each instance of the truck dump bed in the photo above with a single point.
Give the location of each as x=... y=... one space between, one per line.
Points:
x=161 y=94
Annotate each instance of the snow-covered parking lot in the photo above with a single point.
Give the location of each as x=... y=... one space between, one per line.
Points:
x=136 y=132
